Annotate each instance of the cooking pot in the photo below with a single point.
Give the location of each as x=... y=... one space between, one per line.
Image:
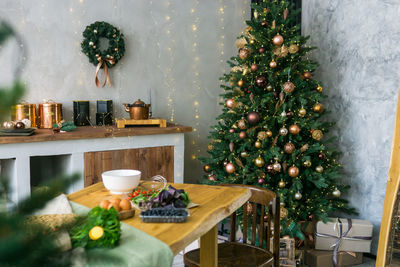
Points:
x=138 y=110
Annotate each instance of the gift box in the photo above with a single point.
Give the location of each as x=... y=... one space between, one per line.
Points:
x=344 y=235
x=323 y=258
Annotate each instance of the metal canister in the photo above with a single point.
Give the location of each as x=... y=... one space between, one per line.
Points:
x=24 y=111
x=49 y=114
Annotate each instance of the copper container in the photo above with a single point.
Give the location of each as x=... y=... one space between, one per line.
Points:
x=50 y=113
x=24 y=111
x=138 y=110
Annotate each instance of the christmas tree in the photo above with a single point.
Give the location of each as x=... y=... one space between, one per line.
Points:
x=270 y=133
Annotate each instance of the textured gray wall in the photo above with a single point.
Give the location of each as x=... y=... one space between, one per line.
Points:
x=176 y=47
x=359 y=55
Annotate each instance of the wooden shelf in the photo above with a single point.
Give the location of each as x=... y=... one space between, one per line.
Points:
x=89 y=132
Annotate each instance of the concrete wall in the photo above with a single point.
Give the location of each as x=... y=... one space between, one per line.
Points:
x=176 y=47
x=360 y=59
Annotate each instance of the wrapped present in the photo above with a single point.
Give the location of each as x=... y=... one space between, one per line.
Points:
x=344 y=235
x=319 y=258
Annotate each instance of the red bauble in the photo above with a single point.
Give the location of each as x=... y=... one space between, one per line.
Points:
x=230 y=102
x=242 y=135
x=254 y=67
x=230 y=168
x=277 y=40
x=261 y=81
x=253 y=117
x=261 y=50
x=288 y=87
x=261 y=180
x=293 y=171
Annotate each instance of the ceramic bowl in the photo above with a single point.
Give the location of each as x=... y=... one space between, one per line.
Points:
x=121 y=181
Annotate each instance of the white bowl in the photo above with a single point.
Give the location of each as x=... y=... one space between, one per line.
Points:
x=121 y=181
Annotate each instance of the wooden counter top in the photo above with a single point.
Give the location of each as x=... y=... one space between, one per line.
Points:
x=89 y=132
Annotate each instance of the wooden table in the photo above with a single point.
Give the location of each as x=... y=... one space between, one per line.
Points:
x=215 y=204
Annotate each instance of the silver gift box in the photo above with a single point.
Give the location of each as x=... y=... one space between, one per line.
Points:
x=358 y=239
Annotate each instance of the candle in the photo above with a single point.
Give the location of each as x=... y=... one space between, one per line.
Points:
x=150 y=111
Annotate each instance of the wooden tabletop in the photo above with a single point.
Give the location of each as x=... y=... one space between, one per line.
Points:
x=89 y=132
x=215 y=204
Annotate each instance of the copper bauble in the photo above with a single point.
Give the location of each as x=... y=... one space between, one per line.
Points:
x=273 y=64
x=257 y=144
x=206 y=168
x=261 y=50
x=302 y=112
x=318 y=108
x=243 y=53
x=269 y=88
x=270 y=168
x=242 y=135
x=307 y=75
x=230 y=103
x=244 y=154
x=319 y=88
x=283 y=131
x=319 y=169
x=261 y=135
x=20 y=125
x=294 y=129
x=261 y=81
x=259 y=162
x=261 y=180
x=317 y=135
x=210 y=147
x=269 y=133
x=240 y=83
x=241 y=124
x=321 y=156
x=253 y=118
x=289 y=114
x=288 y=148
x=281 y=184
x=298 y=196
x=8 y=124
x=336 y=193
x=277 y=166
x=293 y=171
x=264 y=23
x=307 y=164
x=254 y=67
x=212 y=177
x=231 y=130
x=230 y=168
x=288 y=87
x=277 y=40
x=225 y=163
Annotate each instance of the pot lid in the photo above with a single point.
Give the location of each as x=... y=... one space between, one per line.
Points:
x=138 y=103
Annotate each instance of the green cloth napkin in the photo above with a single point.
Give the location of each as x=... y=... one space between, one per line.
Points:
x=135 y=249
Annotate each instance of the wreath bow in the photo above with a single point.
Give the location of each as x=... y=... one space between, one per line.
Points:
x=104 y=64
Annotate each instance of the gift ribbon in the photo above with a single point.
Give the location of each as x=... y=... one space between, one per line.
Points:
x=342 y=236
x=104 y=64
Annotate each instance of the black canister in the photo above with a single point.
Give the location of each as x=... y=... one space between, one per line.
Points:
x=104 y=106
x=104 y=118
x=81 y=113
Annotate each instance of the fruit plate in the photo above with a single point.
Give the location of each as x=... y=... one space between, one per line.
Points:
x=161 y=215
x=15 y=130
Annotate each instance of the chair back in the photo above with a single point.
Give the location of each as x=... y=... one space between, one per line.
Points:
x=260 y=197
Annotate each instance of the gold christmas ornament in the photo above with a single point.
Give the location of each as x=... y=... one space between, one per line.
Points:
x=277 y=167
x=8 y=124
x=257 y=144
x=230 y=168
x=241 y=43
x=242 y=135
x=281 y=51
x=336 y=193
x=254 y=67
x=283 y=212
x=261 y=135
x=255 y=13
x=319 y=88
x=307 y=75
x=319 y=169
x=317 y=135
x=307 y=164
x=244 y=154
x=302 y=112
x=283 y=131
x=243 y=53
x=289 y=148
x=293 y=49
x=210 y=147
x=318 y=108
x=236 y=69
x=273 y=64
x=206 y=168
x=241 y=124
x=304 y=148
x=298 y=196
x=281 y=184
x=277 y=40
x=230 y=103
x=246 y=70
x=259 y=162
x=240 y=83
x=269 y=88
x=294 y=129
x=269 y=133
x=288 y=87
x=293 y=171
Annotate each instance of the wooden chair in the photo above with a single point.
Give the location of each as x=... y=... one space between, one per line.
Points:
x=238 y=254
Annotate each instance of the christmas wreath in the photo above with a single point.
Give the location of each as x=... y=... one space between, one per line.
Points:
x=91 y=47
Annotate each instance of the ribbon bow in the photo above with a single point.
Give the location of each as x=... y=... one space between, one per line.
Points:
x=103 y=62
x=342 y=236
